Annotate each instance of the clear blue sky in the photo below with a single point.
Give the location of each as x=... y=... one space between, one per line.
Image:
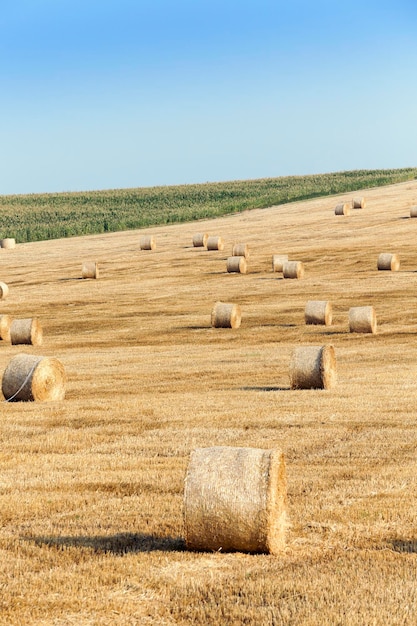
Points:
x=100 y=94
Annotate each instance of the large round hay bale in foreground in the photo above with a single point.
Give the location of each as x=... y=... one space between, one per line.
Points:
x=147 y=242
x=240 y=249
x=362 y=319
x=235 y=499
x=89 y=270
x=33 y=378
x=4 y=291
x=5 y=323
x=343 y=208
x=237 y=264
x=215 y=243
x=388 y=261
x=26 y=331
x=226 y=315
x=313 y=367
x=200 y=240
x=8 y=243
x=318 y=312
x=359 y=203
x=293 y=269
x=278 y=261
x=413 y=211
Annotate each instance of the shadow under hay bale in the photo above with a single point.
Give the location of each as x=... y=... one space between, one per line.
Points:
x=33 y=378
x=236 y=264
x=226 y=315
x=388 y=261
x=313 y=367
x=318 y=312
x=26 y=331
x=235 y=500
x=90 y=270
x=362 y=319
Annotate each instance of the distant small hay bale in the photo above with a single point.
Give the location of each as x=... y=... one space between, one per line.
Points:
x=147 y=242
x=387 y=261
x=90 y=270
x=413 y=211
x=26 y=331
x=5 y=323
x=293 y=269
x=358 y=203
x=318 y=312
x=342 y=209
x=8 y=243
x=313 y=367
x=237 y=264
x=226 y=315
x=362 y=319
x=235 y=499
x=215 y=243
x=278 y=261
x=241 y=249
x=200 y=240
x=4 y=291
x=33 y=378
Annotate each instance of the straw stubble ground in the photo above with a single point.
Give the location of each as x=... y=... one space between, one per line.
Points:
x=91 y=488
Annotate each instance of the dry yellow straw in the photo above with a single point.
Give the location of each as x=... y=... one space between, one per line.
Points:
x=235 y=499
x=27 y=331
x=226 y=315
x=293 y=269
x=362 y=319
x=387 y=261
x=359 y=203
x=147 y=242
x=342 y=209
x=200 y=240
x=4 y=291
x=237 y=264
x=318 y=312
x=313 y=367
x=241 y=249
x=215 y=243
x=5 y=323
x=89 y=270
x=28 y=377
x=278 y=261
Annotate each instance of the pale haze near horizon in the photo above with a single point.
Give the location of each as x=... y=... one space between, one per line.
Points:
x=105 y=95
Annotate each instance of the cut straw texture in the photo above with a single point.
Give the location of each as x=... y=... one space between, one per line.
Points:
x=343 y=208
x=147 y=242
x=4 y=291
x=313 y=367
x=226 y=315
x=235 y=499
x=388 y=261
x=413 y=211
x=318 y=312
x=89 y=269
x=293 y=269
x=8 y=243
x=5 y=323
x=33 y=378
x=278 y=261
x=215 y=243
x=358 y=203
x=241 y=249
x=26 y=331
x=200 y=240
x=237 y=264
x=362 y=319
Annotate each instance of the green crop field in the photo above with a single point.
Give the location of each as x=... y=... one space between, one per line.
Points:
x=38 y=217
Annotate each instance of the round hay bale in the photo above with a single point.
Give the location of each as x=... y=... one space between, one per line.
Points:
x=226 y=315
x=293 y=269
x=147 y=242
x=413 y=211
x=215 y=243
x=235 y=499
x=89 y=270
x=4 y=291
x=241 y=249
x=362 y=319
x=318 y=312
x=278 y=261
x=387 y=261
x=33 y=378
x=342 y=209
x=5 y=323
x=237 y=264
x=359 y=203
x=313 y=367
x=8 y=243
x=28 y=331
x=200 y=240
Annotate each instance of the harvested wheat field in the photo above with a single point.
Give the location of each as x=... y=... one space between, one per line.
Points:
x=92 y=486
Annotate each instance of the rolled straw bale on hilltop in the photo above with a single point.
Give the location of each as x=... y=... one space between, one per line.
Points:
x=34 y=378
x=4 y=290
x=237 y=264
x=318 y=312
x=413 y=211
x=293 y=269
x=343 y=208
x=5 y=323
x=200 y=240
x=89 y=270
x=278 y=261
x=26 y=331
x=8 y=243
x=388 y=261
x=215 y=243
x=313 y=367
x=147 y=242
x=362 y=319
x=359 y=203
x=235 y=499
x=240 y=249
x=226 y=315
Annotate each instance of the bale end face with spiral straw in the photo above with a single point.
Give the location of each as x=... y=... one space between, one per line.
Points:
x=359 y=203
x=362 y=319
x=241 y=249
x=313 y=367
x=293 y=269
x=226 y=315
x=26 y=331
x=89 y=270
x=200 y=240
x=237 y=264
x=235 y=499
x=215 y=243
x=388 y=261
x=318 y=312
x=33 y=378
x=343 y=208
x=147 y=243
x=4 y=291
x=5 y=323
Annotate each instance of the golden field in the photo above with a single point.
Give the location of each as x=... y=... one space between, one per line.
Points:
x=91 y=488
